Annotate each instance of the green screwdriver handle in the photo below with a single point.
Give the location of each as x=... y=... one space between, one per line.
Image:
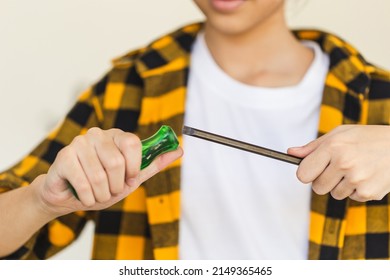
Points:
x=164 y=140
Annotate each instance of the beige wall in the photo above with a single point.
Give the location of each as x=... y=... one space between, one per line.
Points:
x=51 y=50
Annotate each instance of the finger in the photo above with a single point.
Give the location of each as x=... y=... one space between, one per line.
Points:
x=130 y=147
x=327 y=180
x=342 y=190
x=313 y=165
x=70 y=169
x=159 y=164
x=366 y=193
x=355 y=195
x=95 y=172
x=113 y=163
x=305 y=150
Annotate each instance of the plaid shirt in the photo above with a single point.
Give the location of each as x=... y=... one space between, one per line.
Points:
x=145 y=89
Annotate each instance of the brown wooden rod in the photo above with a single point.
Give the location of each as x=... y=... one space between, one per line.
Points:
x=240 y=145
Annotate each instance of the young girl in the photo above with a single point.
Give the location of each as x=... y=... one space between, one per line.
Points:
x=243 y=74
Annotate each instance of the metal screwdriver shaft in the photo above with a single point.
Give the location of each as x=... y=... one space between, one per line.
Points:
x=240 y=145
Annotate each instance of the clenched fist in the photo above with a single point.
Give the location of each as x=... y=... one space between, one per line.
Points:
x=350 y=161
x=103 y=166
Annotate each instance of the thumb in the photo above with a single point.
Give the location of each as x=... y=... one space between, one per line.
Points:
x=159 y=164
x=156 y=166
x=303 y=151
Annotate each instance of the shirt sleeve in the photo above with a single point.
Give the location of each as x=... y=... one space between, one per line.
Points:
x=61 y=232
x=112 y=102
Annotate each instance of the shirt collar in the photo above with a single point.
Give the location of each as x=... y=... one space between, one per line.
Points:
x=171 y=52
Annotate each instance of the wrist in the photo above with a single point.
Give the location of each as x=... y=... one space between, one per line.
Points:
x=44 y=209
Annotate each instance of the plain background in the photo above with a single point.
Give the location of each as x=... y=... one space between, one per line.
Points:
x=50 y=51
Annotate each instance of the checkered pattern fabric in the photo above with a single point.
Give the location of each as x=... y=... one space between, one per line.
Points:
x=145 y=89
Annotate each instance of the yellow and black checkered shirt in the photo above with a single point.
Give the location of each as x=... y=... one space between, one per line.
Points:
x=147 y=88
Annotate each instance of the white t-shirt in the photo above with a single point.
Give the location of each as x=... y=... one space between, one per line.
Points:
x=234 y=204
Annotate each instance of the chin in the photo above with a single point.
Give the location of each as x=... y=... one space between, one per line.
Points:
x=230 y=26
x=238 y=16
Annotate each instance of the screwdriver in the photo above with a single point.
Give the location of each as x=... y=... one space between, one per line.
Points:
x=240 y=145
x=163 y=141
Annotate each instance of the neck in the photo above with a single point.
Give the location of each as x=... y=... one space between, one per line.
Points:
x=265 y=55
